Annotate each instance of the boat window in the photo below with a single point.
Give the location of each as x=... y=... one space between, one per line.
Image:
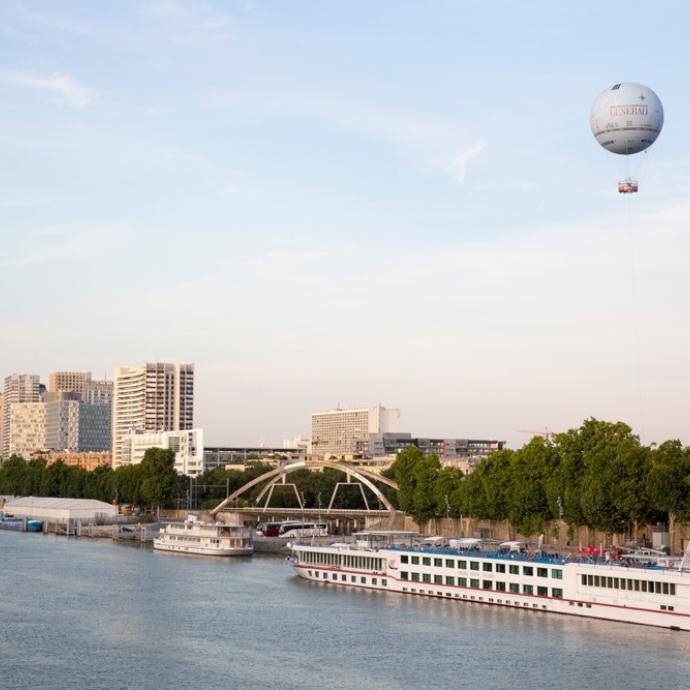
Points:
x=609 y=582
x=363 y=580
x=384 y=582
x=415 y=560
x=543 y=591
x=438 y=579
x=637 y=585
x=474 y=565
x=462 y=565
x=501 y=586
x=450 y=580
x=527 y=570
x=404 y=558
x=657 y=587
x=353 y=578
x=426 y=577
x=672 y=589
x=514 y=569
x=374 y=581
x=462 y=581
x=415 y=577
x=404 y=575
x=515 y=587
x=487 y=567
x=487 y=584
x=527 y=589
x=590 y=580
x=616 y=583
x=474 y=583
x=438 y=562
x=426 y=560
x=643 y=585
x=557 y=593
x=450 y=563
x=500 y=567
x=542 y=572
x=343 y=578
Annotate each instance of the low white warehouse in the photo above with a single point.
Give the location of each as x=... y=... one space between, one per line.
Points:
x=43 y=508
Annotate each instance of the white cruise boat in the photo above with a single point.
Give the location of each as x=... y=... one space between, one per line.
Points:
x=651 y=591
x=204 y=539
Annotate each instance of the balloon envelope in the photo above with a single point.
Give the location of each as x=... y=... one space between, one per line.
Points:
x=627 y=118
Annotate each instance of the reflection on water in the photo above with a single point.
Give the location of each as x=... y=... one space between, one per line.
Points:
x=91 y=614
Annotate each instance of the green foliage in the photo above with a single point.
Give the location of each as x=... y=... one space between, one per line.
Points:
x=158 y=476
x=598 y=475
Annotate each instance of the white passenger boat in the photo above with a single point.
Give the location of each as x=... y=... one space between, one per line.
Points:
x=204 y=539
x=651 y=591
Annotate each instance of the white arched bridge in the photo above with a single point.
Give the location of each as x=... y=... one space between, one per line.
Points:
x=355 y=477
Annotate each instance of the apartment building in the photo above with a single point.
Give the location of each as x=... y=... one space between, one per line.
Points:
x=188 y=446
x=27 y=429
x=19 y=388
x=155 y=397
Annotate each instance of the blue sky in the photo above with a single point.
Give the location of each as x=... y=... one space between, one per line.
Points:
x=361 y=202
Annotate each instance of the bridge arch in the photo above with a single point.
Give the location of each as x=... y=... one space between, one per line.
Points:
x=366 y=477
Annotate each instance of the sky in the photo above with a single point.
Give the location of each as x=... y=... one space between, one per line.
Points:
x=349 y=203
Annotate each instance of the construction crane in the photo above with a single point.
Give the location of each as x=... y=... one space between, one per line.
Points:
x=546 y=434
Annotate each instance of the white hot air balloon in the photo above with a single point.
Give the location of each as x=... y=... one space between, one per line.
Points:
x=626 y=119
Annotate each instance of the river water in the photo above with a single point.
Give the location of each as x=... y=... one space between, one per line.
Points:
x=76 y=613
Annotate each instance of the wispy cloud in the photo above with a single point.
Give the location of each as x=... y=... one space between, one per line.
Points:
x=190 y=22
x=435 y=143
x=52 y=243
x=57 y=83
x=59 y=20
x=462 y=160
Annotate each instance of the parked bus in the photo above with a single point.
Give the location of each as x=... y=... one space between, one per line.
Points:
x=291 y=530
x=268 y=529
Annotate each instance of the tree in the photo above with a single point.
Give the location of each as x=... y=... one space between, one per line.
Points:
x=158 y=476
x=531 y=469
x=485 y=493
x=668 y=481
x=448 y=491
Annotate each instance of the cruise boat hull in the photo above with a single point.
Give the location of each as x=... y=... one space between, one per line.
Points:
x=651 y=595
x=202 y=551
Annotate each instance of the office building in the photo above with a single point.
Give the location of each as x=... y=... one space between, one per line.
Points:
x=68 y=381
x=98 y=393
x=62 y=424
x=155 y=397
x=219 y=457
x=95 y=427
x=459 y=452
x=343 y=432
x=19 y=388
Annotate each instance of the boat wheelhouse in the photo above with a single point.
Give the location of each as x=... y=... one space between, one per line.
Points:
x=203 y=539
x=647 y=592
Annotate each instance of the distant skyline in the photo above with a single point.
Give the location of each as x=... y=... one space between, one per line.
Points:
x=355 y=203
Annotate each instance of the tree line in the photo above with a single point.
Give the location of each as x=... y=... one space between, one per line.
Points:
x=598 y=476
x=153 y=482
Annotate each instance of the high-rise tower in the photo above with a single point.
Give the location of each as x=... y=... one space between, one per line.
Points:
x=158 y=396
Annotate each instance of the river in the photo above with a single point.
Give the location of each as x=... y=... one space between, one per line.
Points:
x=83 y=614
